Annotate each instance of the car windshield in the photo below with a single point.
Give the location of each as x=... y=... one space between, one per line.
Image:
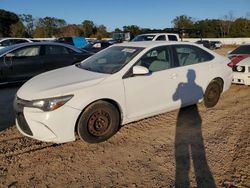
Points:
x=143 y=38
x=111 y=60
x=245 y=49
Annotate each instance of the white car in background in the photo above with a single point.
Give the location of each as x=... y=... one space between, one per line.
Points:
x=157 y=37
x=121 y=84
x=4 y=42
x=241 y=72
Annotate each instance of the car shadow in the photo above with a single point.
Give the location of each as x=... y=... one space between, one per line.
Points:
x=189 y=144
x=7 y=95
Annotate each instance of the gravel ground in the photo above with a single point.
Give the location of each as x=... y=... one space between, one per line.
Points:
x=191 y=147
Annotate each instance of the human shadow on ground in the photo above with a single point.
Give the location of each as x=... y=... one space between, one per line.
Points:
x=7 y=95
x=189 y=145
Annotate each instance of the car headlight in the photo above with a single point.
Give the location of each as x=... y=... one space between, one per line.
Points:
x=239 y=68
x=50 y=104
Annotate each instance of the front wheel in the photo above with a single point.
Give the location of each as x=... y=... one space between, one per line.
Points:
x=98 y=122
x=212 y=94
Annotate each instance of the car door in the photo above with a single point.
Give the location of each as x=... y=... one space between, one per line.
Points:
x=56 y=56
x=152 y=93
x=194 y=71
x=22 y=63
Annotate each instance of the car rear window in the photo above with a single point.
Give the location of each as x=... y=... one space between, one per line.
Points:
x=245 y=49
x=143 y=38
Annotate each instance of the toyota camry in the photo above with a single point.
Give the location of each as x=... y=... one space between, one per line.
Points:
x=121 y=84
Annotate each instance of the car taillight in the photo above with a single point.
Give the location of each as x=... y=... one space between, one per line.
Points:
x=231 y=64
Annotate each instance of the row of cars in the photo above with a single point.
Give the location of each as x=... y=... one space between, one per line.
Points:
x=27 y=58
x=21 y=59
x=121 y=84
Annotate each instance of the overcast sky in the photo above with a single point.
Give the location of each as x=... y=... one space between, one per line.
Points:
x=156 y=14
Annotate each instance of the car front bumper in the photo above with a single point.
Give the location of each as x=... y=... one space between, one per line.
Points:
x=57 y=126
x=241 y=78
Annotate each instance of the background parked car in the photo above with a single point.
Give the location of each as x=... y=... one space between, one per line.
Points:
x=239 y=54
x=4 y=42
x=241 y=72
x=98 y=45
x=217 y=44
x=157 y=37
x=206 y=43
x=78 y=42
x=22 y=61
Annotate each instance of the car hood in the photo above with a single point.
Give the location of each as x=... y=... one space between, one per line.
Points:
x=59 y=82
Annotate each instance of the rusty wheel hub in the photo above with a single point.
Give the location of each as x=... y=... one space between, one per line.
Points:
x=98 y=123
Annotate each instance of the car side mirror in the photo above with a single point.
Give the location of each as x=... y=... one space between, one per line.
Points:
x=140 y=70
x=10 y=55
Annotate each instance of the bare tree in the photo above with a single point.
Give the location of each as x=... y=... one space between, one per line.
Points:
x=226 y=23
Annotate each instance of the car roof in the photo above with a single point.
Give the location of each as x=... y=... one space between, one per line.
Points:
x=47 y=43
x=8 y=38
x=16 y=46
x=151 y=44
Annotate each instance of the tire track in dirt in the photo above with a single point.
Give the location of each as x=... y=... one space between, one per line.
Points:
x=23 y=145
x=141 y=154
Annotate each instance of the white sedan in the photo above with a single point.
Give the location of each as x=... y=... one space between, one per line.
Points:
x=121 y=84
x=241 y=72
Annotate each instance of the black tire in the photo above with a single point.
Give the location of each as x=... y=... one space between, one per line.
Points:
x=99 y=122
x=212 y=94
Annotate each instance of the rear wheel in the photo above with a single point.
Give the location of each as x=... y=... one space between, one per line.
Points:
x=98 y=122
x=212 y=94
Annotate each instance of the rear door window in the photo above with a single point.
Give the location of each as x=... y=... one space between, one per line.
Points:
x=56 y=50
x=188 y=55
x=172 y=38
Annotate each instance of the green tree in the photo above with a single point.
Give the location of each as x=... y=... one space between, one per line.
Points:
x=101 y=32
x=240 y=27
x=210 y=28
x=40 y=32
x=70 y=30
x=183 y=22
x=133 y=29
x=18 y=30
x=117 y=30
x=50 y=25
x=6 y=20
x=88 y=28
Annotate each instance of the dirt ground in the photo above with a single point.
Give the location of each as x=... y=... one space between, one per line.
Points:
x=191 y=147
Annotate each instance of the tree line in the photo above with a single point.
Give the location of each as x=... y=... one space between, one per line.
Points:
x=25 y=25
